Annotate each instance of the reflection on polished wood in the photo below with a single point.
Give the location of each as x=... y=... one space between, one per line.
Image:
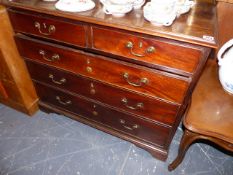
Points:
x=210 y=115
x=225 y=23
x=212 y=107
x=197 y=26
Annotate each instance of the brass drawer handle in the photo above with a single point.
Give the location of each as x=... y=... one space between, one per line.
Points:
x=61 y=81
x=51 y=28
x=63 y=103
x=138 y=105
x=130 y=46
x=54 y=57
x=135 y=126
x=138 y=84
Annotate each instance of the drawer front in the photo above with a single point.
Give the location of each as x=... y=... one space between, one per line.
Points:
x=128 y=124
x=148 y=51
x=139 y=79
x=135 y=103
x=47 y=27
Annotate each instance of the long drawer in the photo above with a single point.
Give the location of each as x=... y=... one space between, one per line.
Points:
x=136 y=78
x=170 y=55
x=126 y=100
x=49 y=27
x=122 y=122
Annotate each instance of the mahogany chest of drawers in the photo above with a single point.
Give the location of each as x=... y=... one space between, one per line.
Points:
x=132 y=81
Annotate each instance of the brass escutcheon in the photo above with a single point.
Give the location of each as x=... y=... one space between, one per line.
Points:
x=92 y=91
x=89 y=69
x=95 y=113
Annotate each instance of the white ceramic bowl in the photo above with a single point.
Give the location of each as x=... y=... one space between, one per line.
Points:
x=184 y=7
x=160 y=7
x=117 y=10
x=158 y=18
x=225 y=61
x=138 y=4
x=122 y=2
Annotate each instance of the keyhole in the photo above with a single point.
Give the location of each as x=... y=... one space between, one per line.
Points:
x=92 y=90
x=44 y=25
x=95 y=113
x=140 y=44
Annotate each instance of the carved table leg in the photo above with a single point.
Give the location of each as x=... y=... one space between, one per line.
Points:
x=187 y=139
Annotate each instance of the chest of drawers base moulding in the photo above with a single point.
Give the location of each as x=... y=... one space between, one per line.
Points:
x=155 y=151
x=130 y=65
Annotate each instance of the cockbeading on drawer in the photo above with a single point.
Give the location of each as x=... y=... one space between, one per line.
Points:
x=126 y=123
x=158 y=84
x=151 y=51
x=50 y=28
x=135 y=103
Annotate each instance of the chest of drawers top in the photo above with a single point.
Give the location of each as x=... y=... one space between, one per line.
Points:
x=198 y=26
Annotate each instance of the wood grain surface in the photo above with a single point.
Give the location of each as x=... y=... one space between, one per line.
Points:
x=198 y=26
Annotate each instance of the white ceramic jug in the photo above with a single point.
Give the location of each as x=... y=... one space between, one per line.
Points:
x=225 y=61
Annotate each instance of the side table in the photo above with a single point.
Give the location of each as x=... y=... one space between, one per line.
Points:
x=210 y=116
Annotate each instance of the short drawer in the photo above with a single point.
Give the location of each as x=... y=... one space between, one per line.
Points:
x=122 y=122
x=167 y=54
x=137 y=78
x=48 y=27
x=145 y=106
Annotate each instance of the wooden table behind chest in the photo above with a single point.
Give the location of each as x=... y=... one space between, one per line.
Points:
x=120 y=75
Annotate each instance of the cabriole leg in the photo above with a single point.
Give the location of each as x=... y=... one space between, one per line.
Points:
x=187 y=139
